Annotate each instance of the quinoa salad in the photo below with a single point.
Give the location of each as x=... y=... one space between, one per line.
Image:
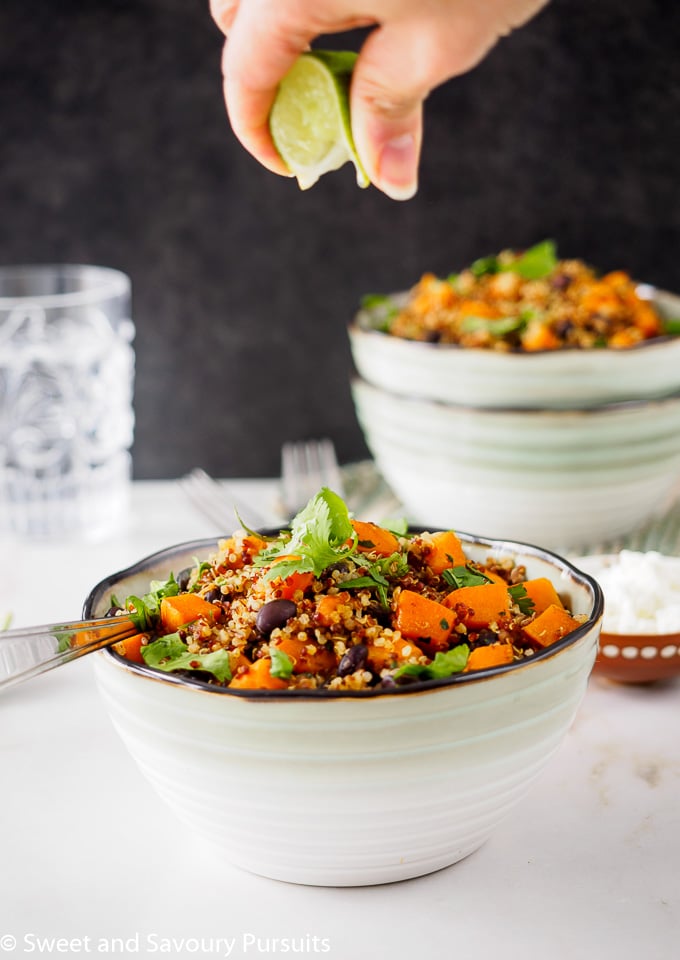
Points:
x=339 y=604
x=526 y=301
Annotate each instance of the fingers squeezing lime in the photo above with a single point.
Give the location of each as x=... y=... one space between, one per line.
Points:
x=310 y=121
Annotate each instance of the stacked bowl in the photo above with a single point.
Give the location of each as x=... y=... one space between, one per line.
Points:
x=568 y=448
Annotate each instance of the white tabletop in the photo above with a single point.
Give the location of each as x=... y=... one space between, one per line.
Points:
x=588 y=867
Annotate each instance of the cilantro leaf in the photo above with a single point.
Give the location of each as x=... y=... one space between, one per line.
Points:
x=443 y=665
x=537 y=262
x=522 y=599
x=465 y=576
x=485 y=265
x=496 y=328
x=370 y=301
x=282 y=665
x=396 y=525
x=171 y=653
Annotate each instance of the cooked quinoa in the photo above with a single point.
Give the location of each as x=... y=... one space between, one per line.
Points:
x=340 y=604
x=525 y=301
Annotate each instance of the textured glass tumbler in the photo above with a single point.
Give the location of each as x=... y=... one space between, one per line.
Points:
x=66 y=417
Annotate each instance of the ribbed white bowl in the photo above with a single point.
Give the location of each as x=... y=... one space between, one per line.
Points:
x=487 y=378
x=346 y=790
x=562 y=478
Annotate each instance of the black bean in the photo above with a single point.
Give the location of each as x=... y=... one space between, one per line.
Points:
x=388 y=683
x=274 y=614
x=560 y=281
x=183 y=578
x=214 y=595
x=113 y=611
x=353 y=660
x=486 y=637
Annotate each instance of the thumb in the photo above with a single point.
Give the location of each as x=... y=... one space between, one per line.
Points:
x=399 y=64
x=386 y=104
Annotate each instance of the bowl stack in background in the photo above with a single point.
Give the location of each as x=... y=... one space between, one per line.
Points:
x=565 y=448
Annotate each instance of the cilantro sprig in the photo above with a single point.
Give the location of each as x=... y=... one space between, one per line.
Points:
x=377 y=572
x=522 y=599
x=320 y=535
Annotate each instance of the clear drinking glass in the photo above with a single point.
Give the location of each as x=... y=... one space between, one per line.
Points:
x=66 y=417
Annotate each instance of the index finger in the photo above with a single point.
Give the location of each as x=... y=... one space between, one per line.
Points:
x=260 y=50
x=265 y=39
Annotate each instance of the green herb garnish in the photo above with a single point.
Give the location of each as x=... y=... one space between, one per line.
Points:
x=377 y=572
x=522 y=599
x=320 y=535
x=671 y=326
x=485 y=265
x=465 y=576
x=535 y=263
x=6 y=622
x=171 y=653
x=496 y=328
x=144 y=611
x=443 y=665
x=282 y=665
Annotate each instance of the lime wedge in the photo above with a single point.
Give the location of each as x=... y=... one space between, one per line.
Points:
x=309 y=120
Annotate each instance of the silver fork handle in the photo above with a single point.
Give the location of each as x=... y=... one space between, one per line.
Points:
x=30 y=651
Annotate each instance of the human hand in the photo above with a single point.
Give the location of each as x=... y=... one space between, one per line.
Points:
x=415 y=46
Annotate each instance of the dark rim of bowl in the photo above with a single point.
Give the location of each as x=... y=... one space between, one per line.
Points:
x=508 y=547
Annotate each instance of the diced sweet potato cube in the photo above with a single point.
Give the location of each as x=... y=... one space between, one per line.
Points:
x=493 y=655
x=419 y=618
x=550 y=626
x=543 y=593
x=258 y=677
x=375 y=539
x=445 y=551
x=480 y=606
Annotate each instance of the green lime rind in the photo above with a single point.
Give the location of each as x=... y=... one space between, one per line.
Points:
x=310 y=118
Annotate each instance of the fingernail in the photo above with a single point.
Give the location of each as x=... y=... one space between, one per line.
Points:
x=398 y=167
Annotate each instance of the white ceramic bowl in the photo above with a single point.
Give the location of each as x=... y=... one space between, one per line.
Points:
x=339 y=789
x=563 y=478
x=487 y=378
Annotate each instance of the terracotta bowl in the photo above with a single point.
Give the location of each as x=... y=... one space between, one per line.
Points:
x=638 y=658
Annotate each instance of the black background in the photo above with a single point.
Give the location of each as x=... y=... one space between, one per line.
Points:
x=115 y=149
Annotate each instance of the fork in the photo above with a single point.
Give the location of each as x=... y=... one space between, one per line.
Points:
x=218 y=502
x=306 y=466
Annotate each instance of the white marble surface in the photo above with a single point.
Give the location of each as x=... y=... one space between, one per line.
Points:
x=588 y=868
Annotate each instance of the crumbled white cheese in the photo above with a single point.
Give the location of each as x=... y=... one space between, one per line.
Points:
x=641 y=592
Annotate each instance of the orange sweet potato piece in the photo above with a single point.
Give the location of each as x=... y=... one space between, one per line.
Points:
x=287 y=588
x=177 y=611
x=419 y=618
x=326 y=612
x=375 y=539
x=446 y=551
x=393 y=651
x=258 y=677
x=550 y=626
x=307 y=656
x=492 y=655
x=543 y=593
x=480 y=606
x=131 y=648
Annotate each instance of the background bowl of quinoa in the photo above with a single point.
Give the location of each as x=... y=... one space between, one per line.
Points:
x=274 y=780
x=563 y=378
